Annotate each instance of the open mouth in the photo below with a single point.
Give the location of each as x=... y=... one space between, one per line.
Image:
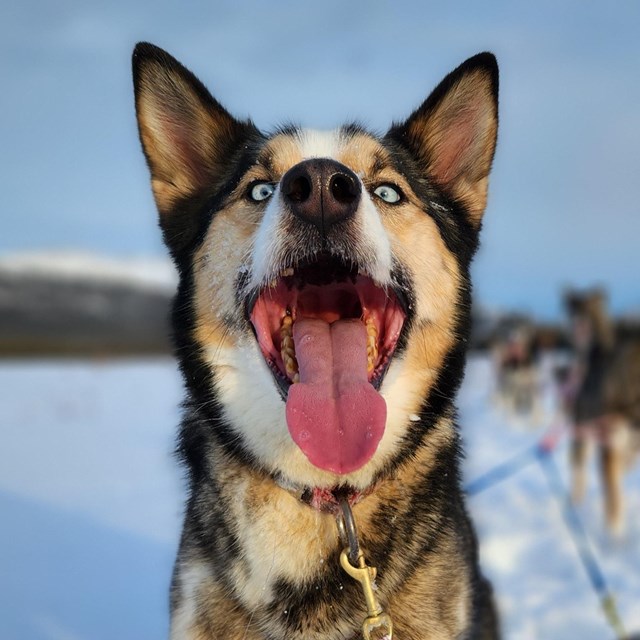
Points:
x=328 y=334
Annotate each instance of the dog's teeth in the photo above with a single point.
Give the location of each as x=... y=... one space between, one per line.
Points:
x=372 y=344
x=288 y=350
x=287 y=272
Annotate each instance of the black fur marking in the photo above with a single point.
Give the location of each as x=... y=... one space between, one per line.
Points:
x=208 y=534
x=352 y=129
x=288 y=129
x=203 y=419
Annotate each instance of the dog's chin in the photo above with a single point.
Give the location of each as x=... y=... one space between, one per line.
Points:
x=328 y=333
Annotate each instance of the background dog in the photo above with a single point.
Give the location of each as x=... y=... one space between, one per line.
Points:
x=320 y=324
x=604 y=399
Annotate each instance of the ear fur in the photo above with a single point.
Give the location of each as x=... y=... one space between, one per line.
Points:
x=186 y=135
x=453 y=133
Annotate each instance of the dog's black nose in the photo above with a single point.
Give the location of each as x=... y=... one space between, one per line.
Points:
x=321 y=191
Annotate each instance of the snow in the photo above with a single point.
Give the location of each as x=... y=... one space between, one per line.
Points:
x=90 y=499
x=91 y=502
x=525 y=546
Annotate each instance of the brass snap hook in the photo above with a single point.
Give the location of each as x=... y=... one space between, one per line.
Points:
x=352 y=561
x=376 y=618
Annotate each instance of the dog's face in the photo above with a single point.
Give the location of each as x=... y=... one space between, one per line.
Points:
x=324 y=275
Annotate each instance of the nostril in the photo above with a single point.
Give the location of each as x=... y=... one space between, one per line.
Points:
x=298 y=189
x=343 y=189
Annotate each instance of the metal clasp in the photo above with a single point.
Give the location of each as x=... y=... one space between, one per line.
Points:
x=353 y=562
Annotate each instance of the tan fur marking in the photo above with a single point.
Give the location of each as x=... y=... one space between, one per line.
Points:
x=418 y=244
x=417 y=610
x=264 y=513
x=360 y=153
x=282 y=152
x=220 y=616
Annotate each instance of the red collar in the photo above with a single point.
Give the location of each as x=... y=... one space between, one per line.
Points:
x=327 y=500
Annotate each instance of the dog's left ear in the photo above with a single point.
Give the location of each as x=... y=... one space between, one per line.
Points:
x=187 y=136
x=453 y=133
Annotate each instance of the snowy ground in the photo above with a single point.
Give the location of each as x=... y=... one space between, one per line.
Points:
x=542 y=588
x=90 y=503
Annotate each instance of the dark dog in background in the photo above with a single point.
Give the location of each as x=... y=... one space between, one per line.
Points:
x=321 y=324
x=604 y=399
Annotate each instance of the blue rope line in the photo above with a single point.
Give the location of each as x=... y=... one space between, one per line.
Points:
x=541 y=452
x=573 y=522
x=502 y=471
x=581 y=540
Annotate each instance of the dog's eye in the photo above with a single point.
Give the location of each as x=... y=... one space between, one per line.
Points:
x=388 y=193
x=261 y=191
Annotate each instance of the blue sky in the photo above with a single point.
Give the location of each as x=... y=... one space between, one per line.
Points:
x=564 y=203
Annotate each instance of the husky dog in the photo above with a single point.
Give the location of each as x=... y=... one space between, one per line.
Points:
x=516 y=366
x=320 y=325
x=604 y=399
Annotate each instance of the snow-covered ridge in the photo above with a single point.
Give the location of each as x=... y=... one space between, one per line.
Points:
x=151 y=273
x=63 y=304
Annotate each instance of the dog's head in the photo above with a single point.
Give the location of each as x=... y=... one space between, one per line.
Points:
x=589 y=319
x=324 y=295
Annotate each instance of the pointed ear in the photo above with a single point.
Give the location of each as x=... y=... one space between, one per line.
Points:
x=186 y=135
x=453 y=133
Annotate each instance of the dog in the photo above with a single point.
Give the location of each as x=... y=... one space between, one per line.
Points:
x=515 y=357
x=602 y=397
x=320 y=325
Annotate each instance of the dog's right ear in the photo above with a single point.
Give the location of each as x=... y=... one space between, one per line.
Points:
x=186 y=135
x=453 y=133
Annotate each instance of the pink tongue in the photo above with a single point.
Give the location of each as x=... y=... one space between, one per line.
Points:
x=334 y=414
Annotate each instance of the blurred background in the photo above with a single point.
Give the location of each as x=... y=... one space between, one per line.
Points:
x=90 y=497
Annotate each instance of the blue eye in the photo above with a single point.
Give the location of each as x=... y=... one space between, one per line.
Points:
x=388 y=193
x=261 y=191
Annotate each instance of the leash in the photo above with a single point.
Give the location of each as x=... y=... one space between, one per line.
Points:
x=513 y=465
x=581 y=541
x=541 y=452
x=502 y=471
x=377 y=624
